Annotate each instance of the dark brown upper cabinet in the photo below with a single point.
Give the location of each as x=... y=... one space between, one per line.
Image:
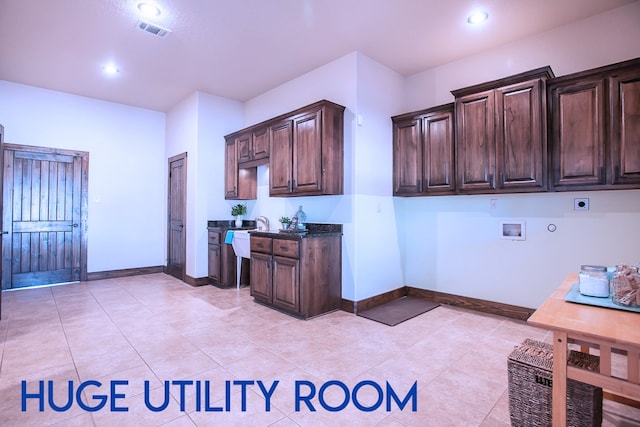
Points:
x=305 y=151
x=253 y=148
x=239 y=183
x=625 y=126
x=594 y=132
x=501 y=134
x=423 y=162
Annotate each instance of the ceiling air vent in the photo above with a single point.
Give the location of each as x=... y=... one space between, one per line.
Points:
x=154 y=29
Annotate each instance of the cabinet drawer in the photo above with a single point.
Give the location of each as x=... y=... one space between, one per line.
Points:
x=214 y=238
x=287 y=248
x=261 y=244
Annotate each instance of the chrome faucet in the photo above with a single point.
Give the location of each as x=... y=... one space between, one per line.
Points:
x=265 y=223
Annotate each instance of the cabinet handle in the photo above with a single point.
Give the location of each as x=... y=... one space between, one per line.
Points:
x=284 y=249
x=616 y=172
x=288 y=185
x=501 y=179
x=295 y=186
x=492 y=180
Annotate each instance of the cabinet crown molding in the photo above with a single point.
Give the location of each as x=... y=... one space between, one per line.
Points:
x=542 y=72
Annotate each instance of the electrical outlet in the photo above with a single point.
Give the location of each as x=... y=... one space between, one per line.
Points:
x=581 y=204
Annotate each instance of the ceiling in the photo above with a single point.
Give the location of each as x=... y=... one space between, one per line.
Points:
x=239 y=49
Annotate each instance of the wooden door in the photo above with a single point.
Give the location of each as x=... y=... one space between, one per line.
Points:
x=625 y=127
x=214 y=264
x=307 y=153
x=520 y=146
x=286 y=283
x=577 y=134
x=475 y=143
x=438 y=153
x=44 y=212
x=280 y=159
x=407 y=157
x=243 y=144
x=231 y=170
x=177 y=203
x=260 y=144
x=260 y=276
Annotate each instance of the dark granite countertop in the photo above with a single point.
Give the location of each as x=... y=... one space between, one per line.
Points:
x=313 y=229
x=230 y=224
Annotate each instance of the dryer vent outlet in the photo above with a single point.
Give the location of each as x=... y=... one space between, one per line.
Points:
x=154 y=29
x=581 y=204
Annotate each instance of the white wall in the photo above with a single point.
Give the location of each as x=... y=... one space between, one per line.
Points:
x=451 y=243
x=216 y=117
x=182 y=137
x=126 y=169
x=378 y=265
x=599 y=40
x=197 y=126
x=336 y=82
x=371 y=255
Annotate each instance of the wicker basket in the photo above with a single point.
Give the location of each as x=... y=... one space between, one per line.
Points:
x=530 y=368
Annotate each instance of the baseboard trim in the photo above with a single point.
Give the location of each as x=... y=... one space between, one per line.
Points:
x=126 y=272
x=196 y=281
x=485 y=306
x=475 y=304
x=348 y=305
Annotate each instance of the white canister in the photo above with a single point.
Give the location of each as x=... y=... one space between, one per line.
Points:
x=594 y=281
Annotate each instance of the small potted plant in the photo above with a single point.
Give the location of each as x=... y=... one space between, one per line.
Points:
x=284 y=220
x=238 y=211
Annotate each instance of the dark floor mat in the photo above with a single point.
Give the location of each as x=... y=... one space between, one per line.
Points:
x=399 y=310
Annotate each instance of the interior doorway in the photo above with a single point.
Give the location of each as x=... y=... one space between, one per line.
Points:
x=44 y=215
x=177 y=202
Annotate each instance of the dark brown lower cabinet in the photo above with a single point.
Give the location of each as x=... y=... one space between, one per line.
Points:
x=301 y=276
x=222 y=260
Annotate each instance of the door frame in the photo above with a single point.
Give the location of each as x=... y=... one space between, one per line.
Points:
x=181 y=156
x=84 y=200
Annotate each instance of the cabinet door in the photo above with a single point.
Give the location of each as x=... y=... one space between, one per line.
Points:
x=286 y=283
x=475 y=143
x=214 y=263
x=407 y=157
x=228 y=267
x=625 y=127
x=260 y=144
x=307 y=153
x=520 y=140
x=280 y=159
x=243 y=143
x=260 y=280
x=438 y=153
x=577 y=134
x=231 y=171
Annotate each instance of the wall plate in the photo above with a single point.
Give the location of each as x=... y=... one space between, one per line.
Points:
x=514 y=229
x=581 y=204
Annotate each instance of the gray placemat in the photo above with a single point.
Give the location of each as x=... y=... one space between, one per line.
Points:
x=574 y=295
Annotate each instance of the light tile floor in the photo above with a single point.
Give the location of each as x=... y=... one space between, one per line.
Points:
x=146 y=330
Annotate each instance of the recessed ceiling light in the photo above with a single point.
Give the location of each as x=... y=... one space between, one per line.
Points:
x=148 y=9
x=477 y=17
x=110 y=69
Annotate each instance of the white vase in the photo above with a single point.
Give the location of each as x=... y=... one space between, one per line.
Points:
x=238 y=221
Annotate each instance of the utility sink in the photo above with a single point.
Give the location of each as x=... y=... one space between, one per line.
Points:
x=240 y=243
x=242 y=248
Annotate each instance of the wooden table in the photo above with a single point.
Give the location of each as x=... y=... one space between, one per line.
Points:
x=607 y=329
